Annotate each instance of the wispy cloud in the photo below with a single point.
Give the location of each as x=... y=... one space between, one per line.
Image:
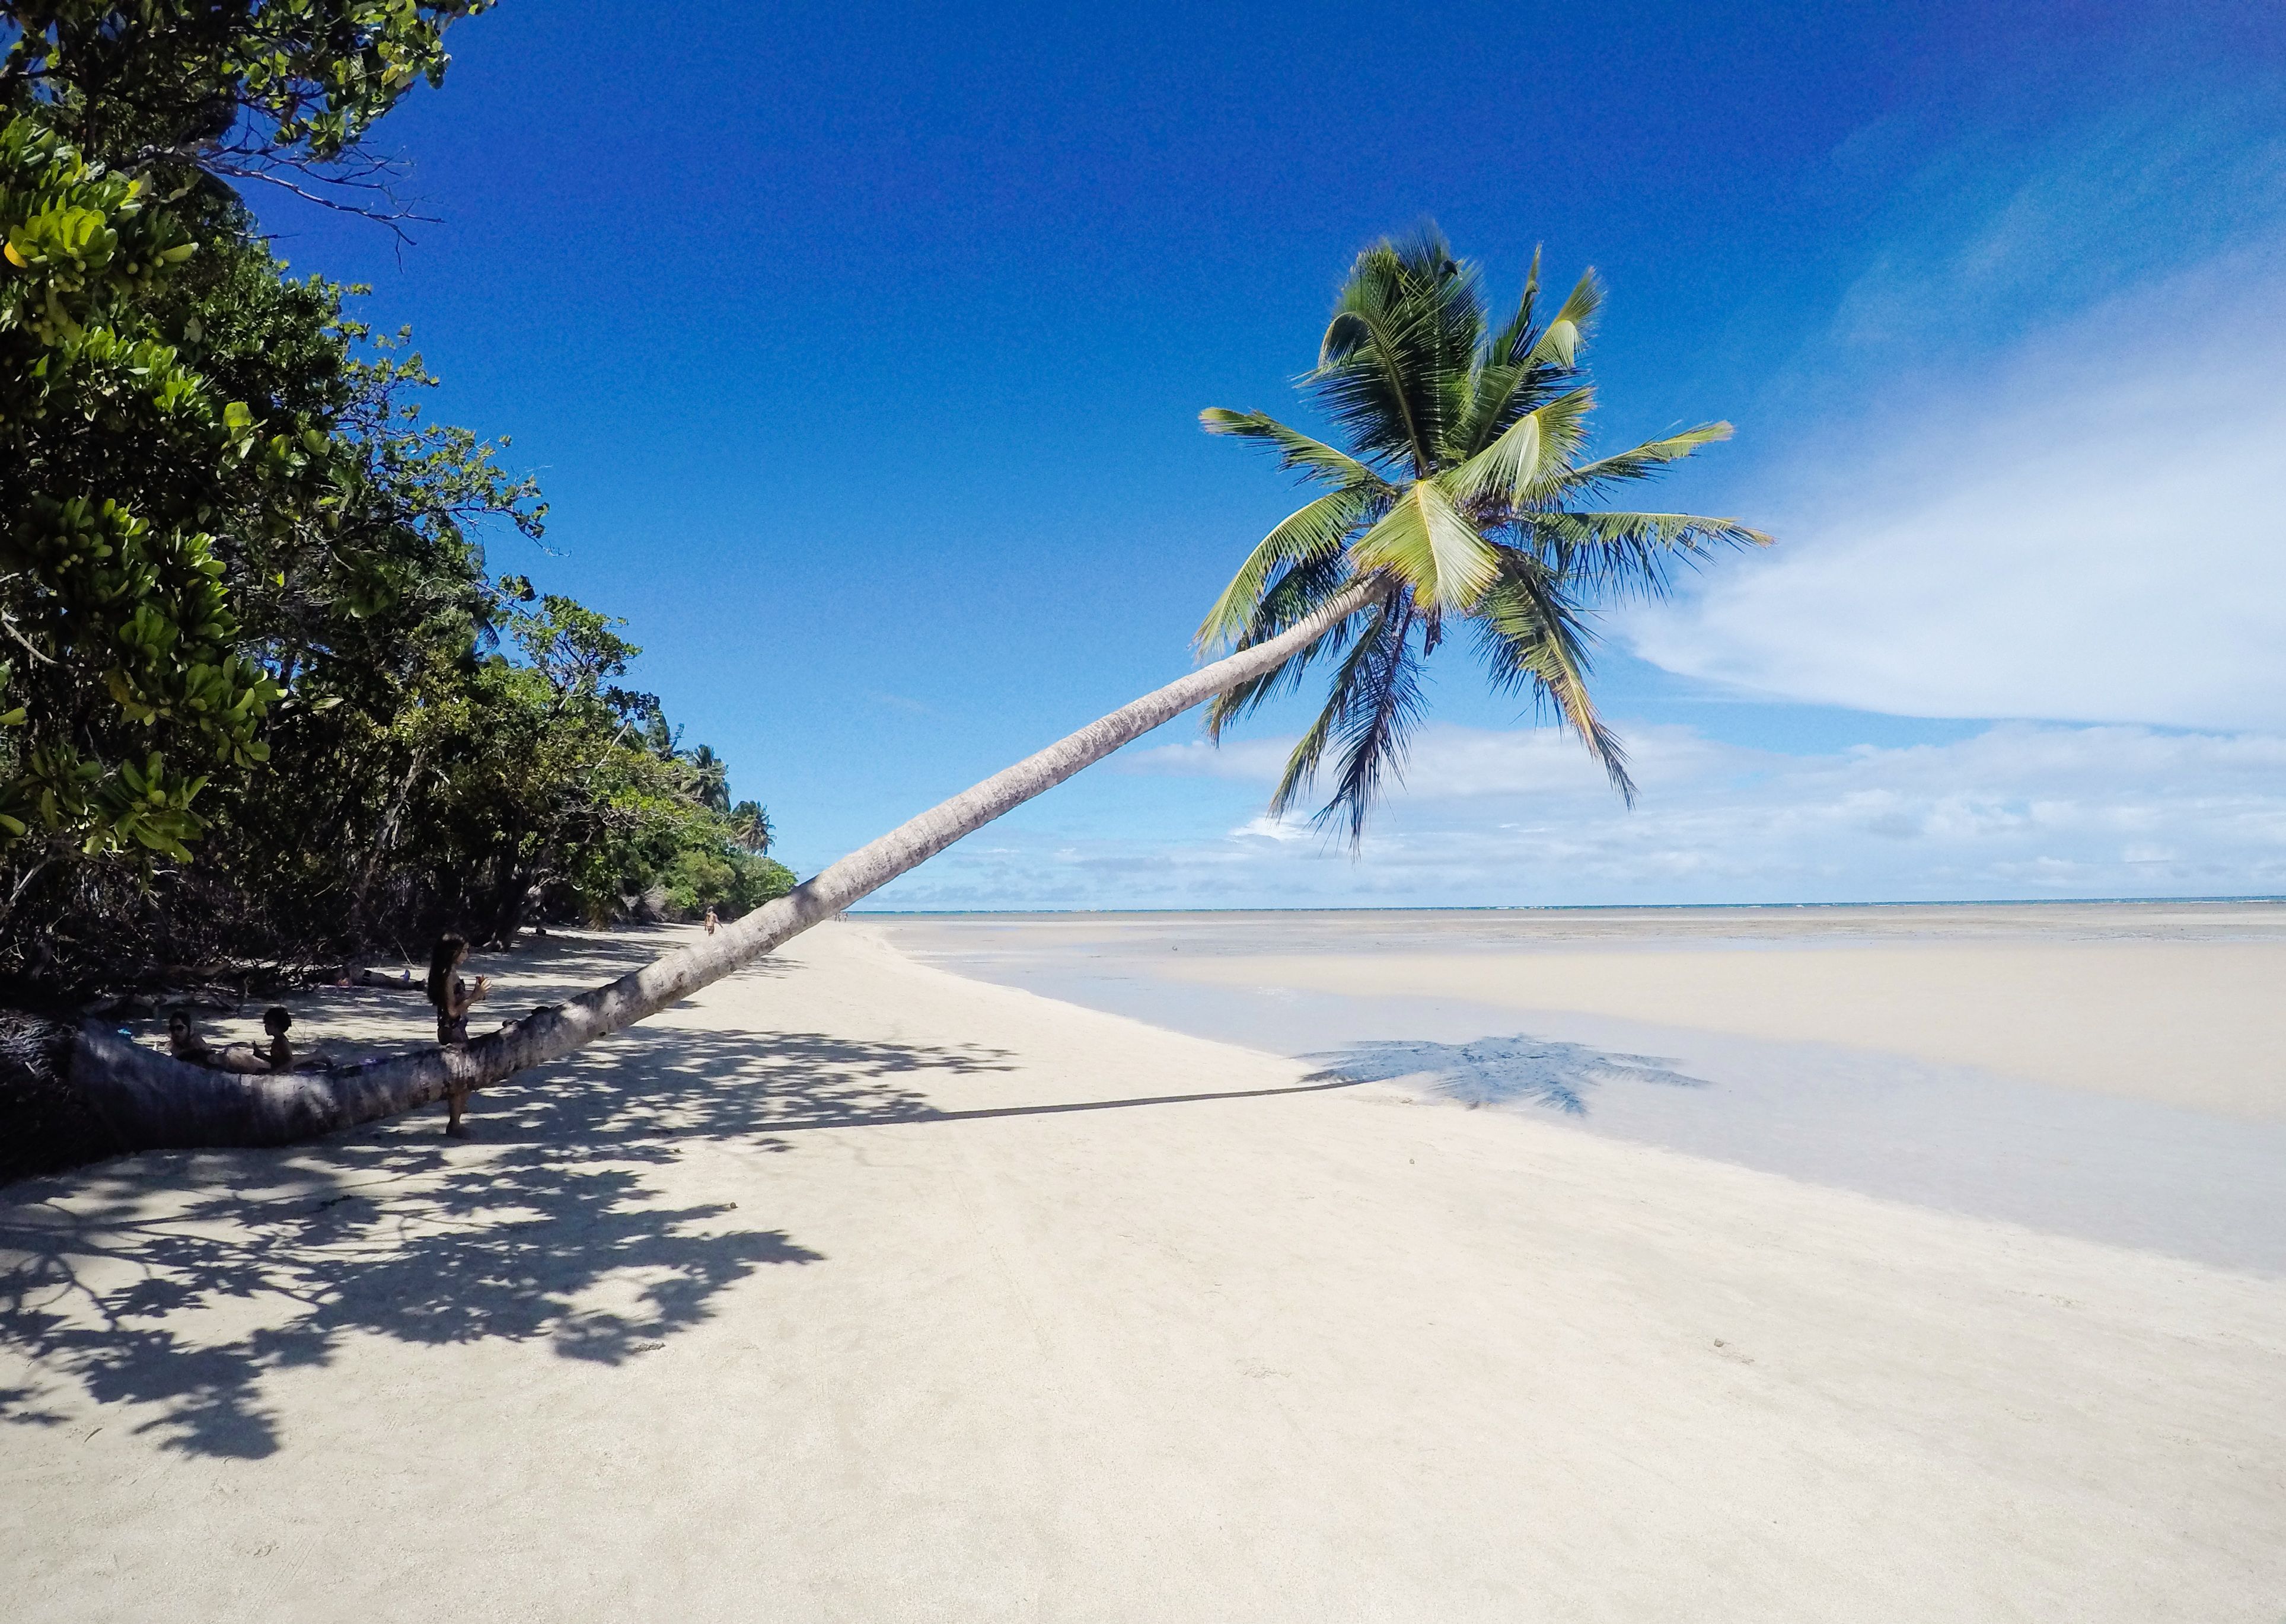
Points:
x=2081 y=515
x=1493 y=818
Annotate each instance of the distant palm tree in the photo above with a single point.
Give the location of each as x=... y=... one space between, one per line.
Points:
x=750 y=826
x=1457 y=504
x=1463 y=491
x=711 y=778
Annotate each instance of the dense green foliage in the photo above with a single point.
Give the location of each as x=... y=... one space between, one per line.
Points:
x=1463 y=495
x=258 y=695
x=141 y=81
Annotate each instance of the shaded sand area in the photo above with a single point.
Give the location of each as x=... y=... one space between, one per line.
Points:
x=855 y=1289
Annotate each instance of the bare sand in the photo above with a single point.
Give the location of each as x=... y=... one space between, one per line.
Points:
x=856 y=1289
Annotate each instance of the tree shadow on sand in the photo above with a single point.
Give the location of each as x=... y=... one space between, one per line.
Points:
x=1521 y=1069
x=545 y=1229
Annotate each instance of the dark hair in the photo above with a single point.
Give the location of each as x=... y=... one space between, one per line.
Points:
x=178 y=1013
x=277 y=1018
x=442 y=962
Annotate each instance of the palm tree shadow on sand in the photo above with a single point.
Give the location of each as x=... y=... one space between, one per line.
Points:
x=547 y=1229
x=1518 y=1070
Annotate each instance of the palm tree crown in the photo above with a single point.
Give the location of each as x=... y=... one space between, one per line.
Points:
x=750 y=826
x=710 y=778
x=1463 y=495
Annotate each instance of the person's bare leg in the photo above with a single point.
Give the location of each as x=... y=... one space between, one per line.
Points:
x=457 y=1098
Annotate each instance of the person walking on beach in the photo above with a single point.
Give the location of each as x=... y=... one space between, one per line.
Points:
x=711 y=921
x=452 y=995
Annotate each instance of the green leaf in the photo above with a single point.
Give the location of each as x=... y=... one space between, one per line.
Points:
x=1648 y=457
x=1559 y=345
x=1426 y=543
x=1294 y=449
x=1315 y=531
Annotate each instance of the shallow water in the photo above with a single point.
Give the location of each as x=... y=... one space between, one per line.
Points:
x=2132 y=1173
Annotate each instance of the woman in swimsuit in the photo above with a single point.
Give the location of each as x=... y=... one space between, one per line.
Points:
x=452 y=995
x=184 y=1041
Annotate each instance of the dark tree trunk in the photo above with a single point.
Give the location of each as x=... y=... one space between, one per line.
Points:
x=45 y=1122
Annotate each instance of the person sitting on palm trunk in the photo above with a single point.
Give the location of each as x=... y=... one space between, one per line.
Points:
x=185 y=1042
x=277 y=1021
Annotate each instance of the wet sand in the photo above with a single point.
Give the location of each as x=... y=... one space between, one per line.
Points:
x=2179 y=1004
x=2115 y=1072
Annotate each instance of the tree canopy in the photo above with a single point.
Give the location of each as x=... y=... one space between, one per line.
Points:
x=259 y=695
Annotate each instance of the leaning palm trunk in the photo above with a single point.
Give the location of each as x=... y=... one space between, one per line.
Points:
x=145 y=1101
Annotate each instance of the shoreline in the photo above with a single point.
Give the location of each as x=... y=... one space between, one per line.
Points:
x=2256 y=900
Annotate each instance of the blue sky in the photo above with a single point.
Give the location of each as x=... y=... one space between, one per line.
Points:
x=860 y=349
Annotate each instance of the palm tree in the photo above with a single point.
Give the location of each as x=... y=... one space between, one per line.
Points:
x=710 y=778
x=1465 y=490
x=750 y=826
x=1456 y=504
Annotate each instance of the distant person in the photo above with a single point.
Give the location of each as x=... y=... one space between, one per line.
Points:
x=710 y=921
x=452 y=995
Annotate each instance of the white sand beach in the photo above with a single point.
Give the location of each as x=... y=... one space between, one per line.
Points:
x=857 y=1289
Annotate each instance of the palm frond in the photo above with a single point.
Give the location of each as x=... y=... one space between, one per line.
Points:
x=1531 y=456
x=1372 y=704
x=1395 y=365
x=1646 y=459
x=1294 y=449
x=1513 y=342
x=1362 y=385
x=1559 y=346
x=1425 y=541
x=1624 y=553
x=1316 y=530
x=1382 y=707
x=1506 y=382
x=1302 y=760
x=1534 y=638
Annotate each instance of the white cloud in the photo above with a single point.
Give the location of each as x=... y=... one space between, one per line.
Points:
x=1448 y=762
x=2092 y=529
x=2036 y=464
x=1490 y=817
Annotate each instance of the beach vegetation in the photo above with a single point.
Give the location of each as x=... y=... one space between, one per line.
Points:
x=261 y=701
